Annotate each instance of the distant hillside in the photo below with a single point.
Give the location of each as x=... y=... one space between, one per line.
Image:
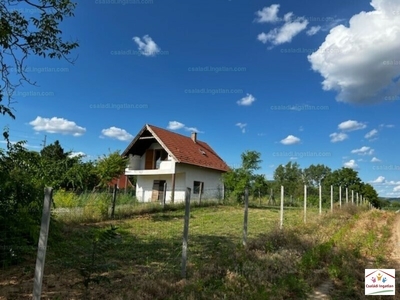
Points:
x=390 y=199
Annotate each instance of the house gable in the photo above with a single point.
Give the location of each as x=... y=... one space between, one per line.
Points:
x=181 y=148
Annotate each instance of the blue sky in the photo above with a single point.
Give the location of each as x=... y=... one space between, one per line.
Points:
x=306 y=81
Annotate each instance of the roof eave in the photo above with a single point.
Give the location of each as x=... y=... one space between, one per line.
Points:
x=131 y=144
x=161 y=143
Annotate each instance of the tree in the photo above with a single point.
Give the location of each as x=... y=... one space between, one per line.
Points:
x=314 y=174
x=109 y=167
x=21 y=197
x=371 y=195
x=290 y=176
x=236 y=180
x=21 y=36
x=259 y=186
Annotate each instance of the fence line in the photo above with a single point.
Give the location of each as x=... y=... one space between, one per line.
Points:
x=39 y=271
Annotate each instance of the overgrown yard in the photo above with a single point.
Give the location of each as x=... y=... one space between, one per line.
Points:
x=141 y=259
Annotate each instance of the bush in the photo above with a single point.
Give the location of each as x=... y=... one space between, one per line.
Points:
x=21 y=202
x=96 y=207
x=65 y=199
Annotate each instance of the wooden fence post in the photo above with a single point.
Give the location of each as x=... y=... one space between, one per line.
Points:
x=246 y=212
x=185 y=232
x=114 y=199
x=347 y=195
x=340 y=196
x=305 y=203
x=352 y=197
x=331 y=198
x=164 y=194
x=42 y=245
x=357 y=199
x=201 y=191
x=320 y=199
x=282 y=196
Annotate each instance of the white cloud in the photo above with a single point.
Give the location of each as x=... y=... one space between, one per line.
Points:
x=350 y=61
x=351 y=164
x=371 y=134
x=396 y=189
x=242 y=126
x=351 y=125
x=175 y=125
x=338 y=137
x=290 y=140
x=268 y=14
x=57 y=125
x=313 y=30
x=380 y=179
x=284 y=34
x=116 y=133
x=363 y=151
x=291 y=27
x=374 y=159
x=75 y=154
x=193 y=129
x=147 y=47
x=246 y=101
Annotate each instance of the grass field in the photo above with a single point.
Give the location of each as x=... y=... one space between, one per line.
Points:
x=143 y=259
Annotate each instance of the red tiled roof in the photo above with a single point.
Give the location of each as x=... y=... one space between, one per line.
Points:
x=185 y=150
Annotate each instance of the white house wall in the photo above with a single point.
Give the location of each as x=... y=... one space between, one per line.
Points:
x=212 y=179
x=144 y=187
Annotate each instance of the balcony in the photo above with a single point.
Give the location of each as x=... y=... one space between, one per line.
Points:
x=136 y=167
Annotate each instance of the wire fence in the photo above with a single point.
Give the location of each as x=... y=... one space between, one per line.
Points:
x=158 y=239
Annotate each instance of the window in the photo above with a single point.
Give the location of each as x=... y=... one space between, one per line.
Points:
x=197 y=185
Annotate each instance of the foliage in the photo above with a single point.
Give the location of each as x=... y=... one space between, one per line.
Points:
x=94 y=265
x=96 y=208
x=290 y=176
x=65 y=199
x=236 y=180
x=314 y=174
x=110 y=167
x=21 y=196
x=21 y=36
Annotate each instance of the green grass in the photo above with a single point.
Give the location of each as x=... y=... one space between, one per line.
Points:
x=275 y=264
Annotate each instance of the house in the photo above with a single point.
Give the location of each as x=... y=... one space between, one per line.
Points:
x=166 y=163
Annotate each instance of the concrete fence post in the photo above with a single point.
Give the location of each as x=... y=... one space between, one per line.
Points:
x=42 y=245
